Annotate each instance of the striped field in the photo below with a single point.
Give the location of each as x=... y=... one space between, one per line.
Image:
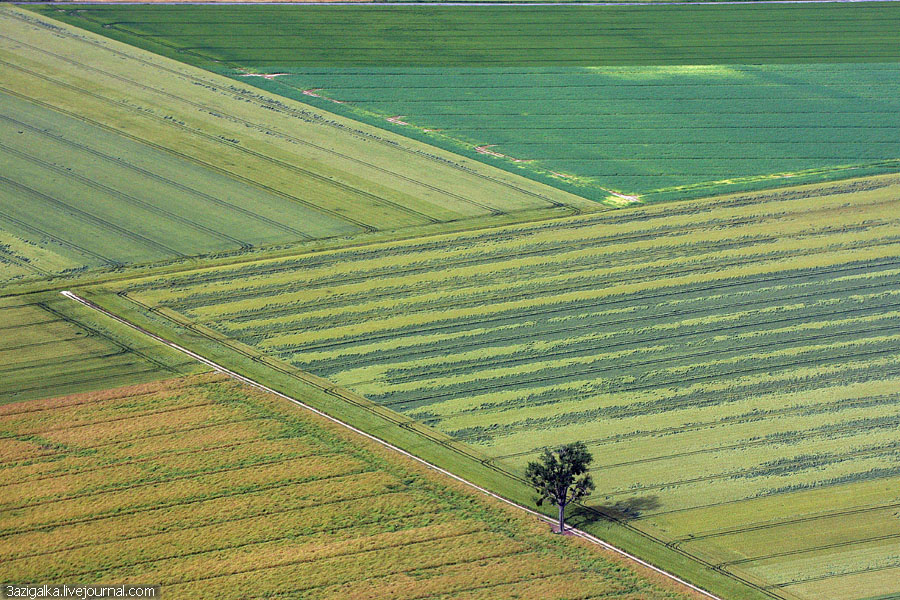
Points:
x=110 y=155
x=733 y=363
x=613 y=103
x=50 y=346
x=212 y=490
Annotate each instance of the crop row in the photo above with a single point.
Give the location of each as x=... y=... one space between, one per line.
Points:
x=437 y=313
x=706 y=364
x=255 y=204
x=378 y=79
x=448 y=290
x=703 y=239
x=485 y=179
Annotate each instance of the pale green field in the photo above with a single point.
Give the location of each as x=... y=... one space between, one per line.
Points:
x=111 y=155
x=732 y=363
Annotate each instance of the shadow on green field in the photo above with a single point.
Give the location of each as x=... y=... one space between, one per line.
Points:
x=623 y=510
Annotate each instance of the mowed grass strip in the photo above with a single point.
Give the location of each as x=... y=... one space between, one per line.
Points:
x=711 y=353
x=344 y=518
x=210 y=166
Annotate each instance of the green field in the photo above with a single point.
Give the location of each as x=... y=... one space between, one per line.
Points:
x=51 y=346
x=659 y=103
x=342 y=36
x=210 y=489
x=113 y=156
x=733 y=363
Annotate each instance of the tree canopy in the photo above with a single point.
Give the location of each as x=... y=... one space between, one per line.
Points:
x=560 y=476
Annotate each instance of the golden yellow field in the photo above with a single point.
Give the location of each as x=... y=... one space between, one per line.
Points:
x=211 y=489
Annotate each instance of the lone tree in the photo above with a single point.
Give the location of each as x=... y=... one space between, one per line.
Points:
x=561 y=476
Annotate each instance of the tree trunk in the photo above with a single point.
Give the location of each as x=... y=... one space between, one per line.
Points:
x=562 y=523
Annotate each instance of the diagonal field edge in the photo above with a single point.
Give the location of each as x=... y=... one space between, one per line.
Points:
x=582 y=534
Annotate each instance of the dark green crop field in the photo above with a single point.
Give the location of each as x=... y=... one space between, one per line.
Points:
x=618 y=104
x=481 y=36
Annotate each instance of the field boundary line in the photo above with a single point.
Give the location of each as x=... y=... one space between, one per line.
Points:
x=246 y=380
x=304 y=115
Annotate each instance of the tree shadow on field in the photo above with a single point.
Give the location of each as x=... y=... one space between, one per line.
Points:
x=623 y=510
